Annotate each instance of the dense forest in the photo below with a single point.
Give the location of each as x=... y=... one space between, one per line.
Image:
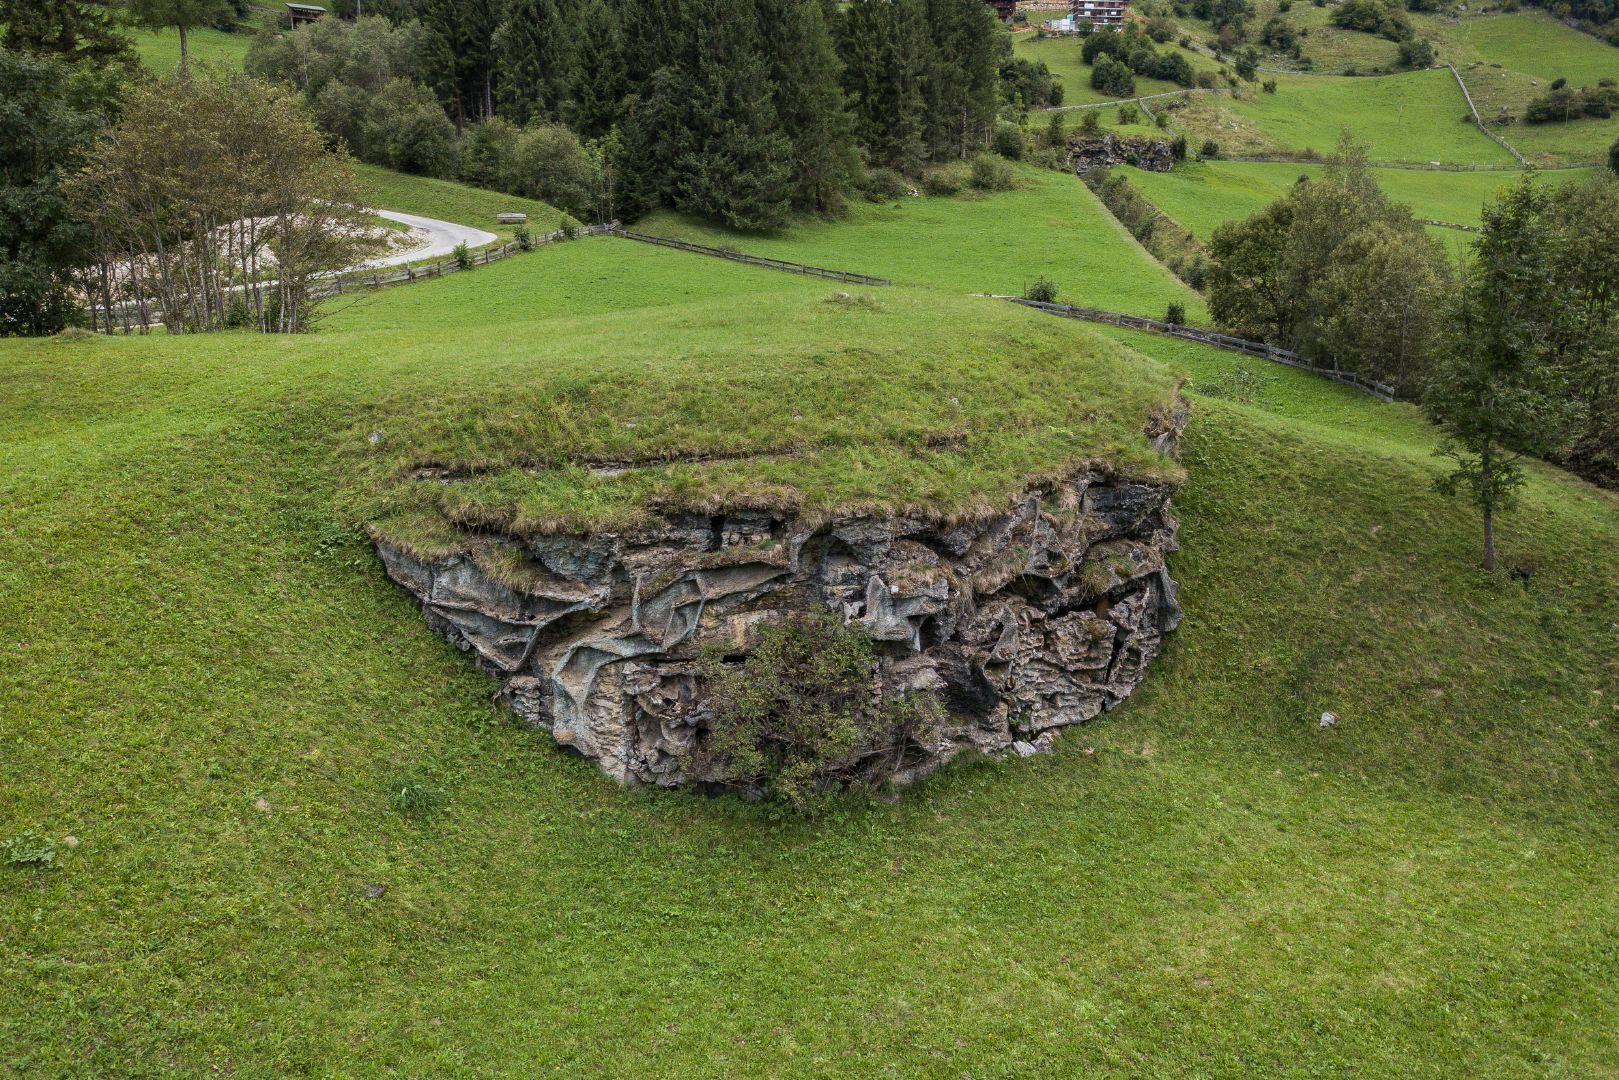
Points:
x=743 y=111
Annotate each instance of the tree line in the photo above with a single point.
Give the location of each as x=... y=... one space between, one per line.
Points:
x=1514 y=352
x=744 y=111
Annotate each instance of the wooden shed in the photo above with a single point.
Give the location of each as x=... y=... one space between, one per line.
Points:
x=298 y=14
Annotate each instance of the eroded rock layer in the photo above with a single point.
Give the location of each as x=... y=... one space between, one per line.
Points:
x=1087 y=152
x=1038 y=618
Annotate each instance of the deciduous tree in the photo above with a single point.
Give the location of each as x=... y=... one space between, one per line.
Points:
x=1493 y=390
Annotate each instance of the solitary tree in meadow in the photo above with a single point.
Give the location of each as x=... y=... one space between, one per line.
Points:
x=183 y=15
x=1493 y=389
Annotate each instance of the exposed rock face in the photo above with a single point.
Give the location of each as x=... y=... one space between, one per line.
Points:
x=1033 y=620
x=1087 y=152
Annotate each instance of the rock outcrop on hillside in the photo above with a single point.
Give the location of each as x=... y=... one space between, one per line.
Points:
x=1032 y=620
x=1087 y=152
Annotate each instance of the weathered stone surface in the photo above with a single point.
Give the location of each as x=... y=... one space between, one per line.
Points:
x=1087 y=152
x=1038 y=618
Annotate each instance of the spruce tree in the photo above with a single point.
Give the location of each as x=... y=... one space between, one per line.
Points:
x=535 y=60
x=74 y=31
x=458 y=55
x=886 y=54
x=805 y=69
x=737 y=165
x=599 y=81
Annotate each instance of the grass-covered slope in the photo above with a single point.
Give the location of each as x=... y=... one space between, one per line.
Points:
x=1051 y=225
x=159 y=50
x=206 y=679
x=1416 y=116
x=1204 y=195
x=447 y=200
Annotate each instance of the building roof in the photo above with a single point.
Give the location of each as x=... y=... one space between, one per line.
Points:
x=306 y=7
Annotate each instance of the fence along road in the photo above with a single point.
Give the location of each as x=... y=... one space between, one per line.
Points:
x=1381 y=391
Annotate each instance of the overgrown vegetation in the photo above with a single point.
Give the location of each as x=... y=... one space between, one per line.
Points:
x=213 y=203
x=1169 y=241
x=1337 y=271
x=803 y=715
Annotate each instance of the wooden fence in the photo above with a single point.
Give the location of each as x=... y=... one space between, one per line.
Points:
x=755 y=260
x=1381 y=391
x=356 y=280
x=130 y=315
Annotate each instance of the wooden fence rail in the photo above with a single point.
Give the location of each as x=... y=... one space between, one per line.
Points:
x=1381 y=391
x=755 y=260
x=374 y=279
x=355 y=281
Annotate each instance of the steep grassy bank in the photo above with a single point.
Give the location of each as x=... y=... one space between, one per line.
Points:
x=205 y=679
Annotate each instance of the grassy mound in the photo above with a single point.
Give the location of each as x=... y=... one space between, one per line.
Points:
x=306 y=845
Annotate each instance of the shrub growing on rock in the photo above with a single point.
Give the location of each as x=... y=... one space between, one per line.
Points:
x=803 y=715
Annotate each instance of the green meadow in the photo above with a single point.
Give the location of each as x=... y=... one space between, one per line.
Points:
x=1203 y=195
x=208 y=683
x=212 y=687
x=1416 y=117
x=1050 y=226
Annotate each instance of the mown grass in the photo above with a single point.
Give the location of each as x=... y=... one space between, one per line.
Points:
x=1203 y=195
x=447 y=200
x=1415 y=116
x=206 y=680
x=159 y=50
x=1050 y=226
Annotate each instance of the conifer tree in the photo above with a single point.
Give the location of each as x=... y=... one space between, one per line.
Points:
x=805 y=69
x=599 y=80
x=886 y=50
x=73 y=31
x=458 y=59
x=962 y=76
x=534 y=60
x=737 y=163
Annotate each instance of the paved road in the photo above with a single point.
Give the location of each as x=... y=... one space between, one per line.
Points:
x=444 y=235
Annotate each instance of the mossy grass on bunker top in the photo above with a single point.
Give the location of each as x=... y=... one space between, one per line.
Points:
x=803 y=398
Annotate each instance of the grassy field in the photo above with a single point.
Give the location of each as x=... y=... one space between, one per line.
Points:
x=1203 y=195
x=447 y=200
x=209 y=684
x=1051 y=225
x=1062 y=56
x=160 y=49
x=1409 y=117
x=1505 y=59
